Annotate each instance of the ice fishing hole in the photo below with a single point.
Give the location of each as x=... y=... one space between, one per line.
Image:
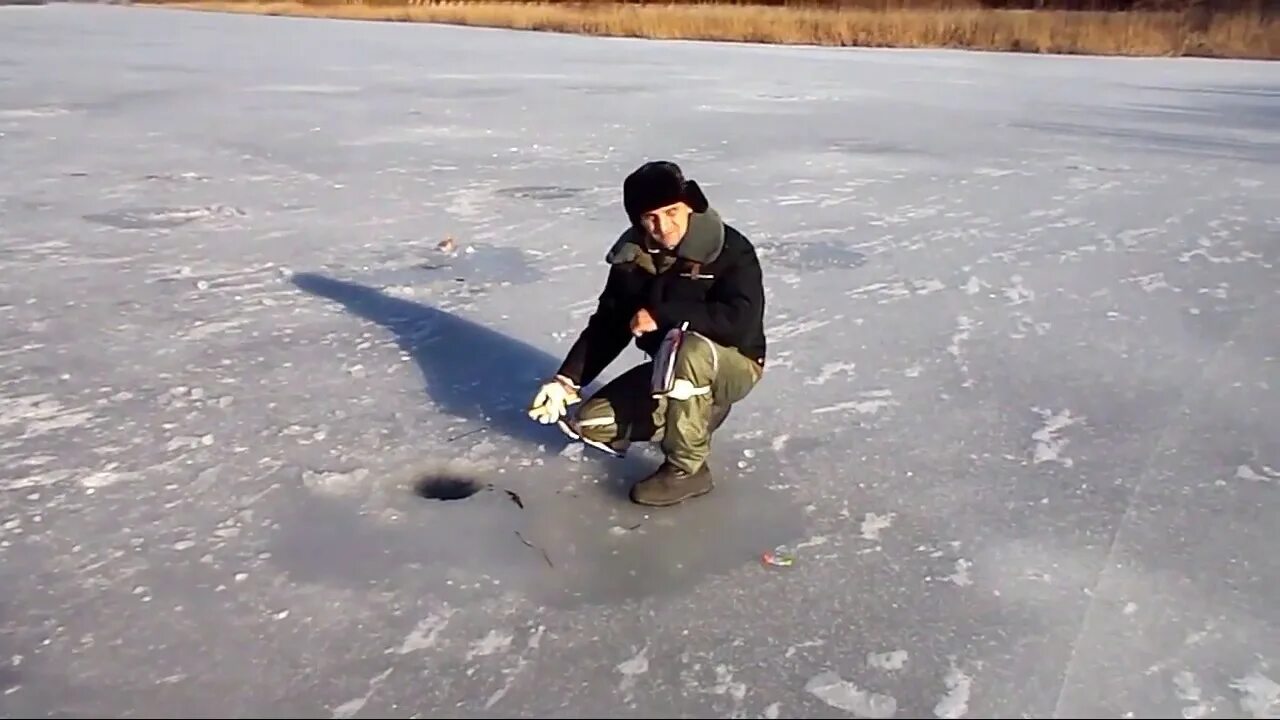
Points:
x=446 y=487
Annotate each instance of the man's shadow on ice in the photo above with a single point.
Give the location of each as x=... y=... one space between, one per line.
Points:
x=470 y=371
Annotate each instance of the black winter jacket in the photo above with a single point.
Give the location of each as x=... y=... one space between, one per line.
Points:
x=713 y=282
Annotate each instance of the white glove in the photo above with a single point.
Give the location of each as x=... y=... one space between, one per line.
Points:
x=553 y=400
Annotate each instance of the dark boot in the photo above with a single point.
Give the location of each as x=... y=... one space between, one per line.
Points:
x=670 y=485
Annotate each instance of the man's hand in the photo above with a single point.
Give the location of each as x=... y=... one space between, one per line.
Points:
x=553 y=399
x=642 y=323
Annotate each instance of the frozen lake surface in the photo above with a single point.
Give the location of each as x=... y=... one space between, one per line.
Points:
x=1019 y=422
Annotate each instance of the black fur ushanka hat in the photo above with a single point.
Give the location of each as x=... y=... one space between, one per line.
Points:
x=657 y=184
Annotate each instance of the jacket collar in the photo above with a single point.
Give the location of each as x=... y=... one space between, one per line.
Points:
x=702 y=243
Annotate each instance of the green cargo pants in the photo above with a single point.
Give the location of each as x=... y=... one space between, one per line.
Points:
x=625 y=411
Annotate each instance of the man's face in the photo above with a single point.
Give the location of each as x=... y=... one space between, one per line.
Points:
x=667 y=225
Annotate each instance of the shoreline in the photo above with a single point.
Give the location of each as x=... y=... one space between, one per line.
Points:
x=1245 y=36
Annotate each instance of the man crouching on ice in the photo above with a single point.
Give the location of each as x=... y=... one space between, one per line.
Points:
x=688 y=288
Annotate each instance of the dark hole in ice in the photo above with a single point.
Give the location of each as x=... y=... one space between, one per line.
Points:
x=446 y=487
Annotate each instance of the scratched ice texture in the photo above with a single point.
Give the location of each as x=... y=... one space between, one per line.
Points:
x=1018 y=424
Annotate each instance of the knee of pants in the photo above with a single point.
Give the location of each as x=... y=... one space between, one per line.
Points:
x=697 y=361
x=595 y=420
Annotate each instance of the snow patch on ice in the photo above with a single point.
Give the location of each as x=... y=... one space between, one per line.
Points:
x=873 y=402
x=1188 y=690
x=796 y=327
x=872 y=524
x=955 y=702
x=105 y=478
x=974 y=285
x=891 y=660
x=424 y=635
x=335 y=483
x=349 y=708
x=1017 y=292
x=961 y=575
x=160 y=218
x=725 y=684
x=1268 y=475
x=315 y=89
x=898 y=289
x=34 y=112
x=1049 y=442
x=1026 y=325
x=1150 y=282
x=204 y=330
x=1260 y=695
x=495 y=641
x=964 y=327
x=830 y=370
x=632 y=668
x=44 y=479
x=40 y=414
x=841 y=694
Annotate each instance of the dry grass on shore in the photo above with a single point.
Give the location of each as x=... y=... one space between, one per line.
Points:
x=1236 y=35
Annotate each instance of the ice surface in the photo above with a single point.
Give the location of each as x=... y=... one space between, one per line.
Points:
x=1019 y=423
